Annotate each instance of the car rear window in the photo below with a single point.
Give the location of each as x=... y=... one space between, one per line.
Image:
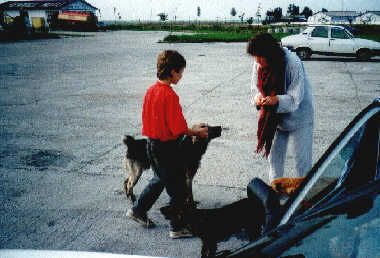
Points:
x=338 y=33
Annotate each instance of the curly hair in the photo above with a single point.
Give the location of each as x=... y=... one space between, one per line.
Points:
x=168 y=60
x=265 y=45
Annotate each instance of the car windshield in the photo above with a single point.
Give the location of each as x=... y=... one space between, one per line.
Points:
x=308 y=30
x=339 y=33
x=349 y=33
x=353 y=161
x=348 y=228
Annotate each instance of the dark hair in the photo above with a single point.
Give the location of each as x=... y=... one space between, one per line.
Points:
x=168 y=60
x=265 y=45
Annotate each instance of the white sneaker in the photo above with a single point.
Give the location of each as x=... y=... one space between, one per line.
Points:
x=142 y=220
x=182 y=233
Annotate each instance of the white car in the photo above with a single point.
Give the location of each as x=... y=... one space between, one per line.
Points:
x=330 y=40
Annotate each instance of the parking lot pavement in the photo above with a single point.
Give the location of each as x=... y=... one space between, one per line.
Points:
x=65 y=103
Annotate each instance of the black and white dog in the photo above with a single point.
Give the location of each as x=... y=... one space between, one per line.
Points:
x=136 y=159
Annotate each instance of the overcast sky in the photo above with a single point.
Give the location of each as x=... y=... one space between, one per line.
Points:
x=217 y=9
x=211 y=9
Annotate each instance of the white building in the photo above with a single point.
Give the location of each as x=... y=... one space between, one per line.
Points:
x=369 y=17
x=45 y=12
x=335 y=17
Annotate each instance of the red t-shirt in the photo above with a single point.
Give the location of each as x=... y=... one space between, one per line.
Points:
x=162 y=116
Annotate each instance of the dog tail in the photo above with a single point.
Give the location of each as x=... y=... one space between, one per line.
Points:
x=126 y=139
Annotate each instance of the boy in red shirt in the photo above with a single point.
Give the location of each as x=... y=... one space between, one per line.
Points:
x=164 y=125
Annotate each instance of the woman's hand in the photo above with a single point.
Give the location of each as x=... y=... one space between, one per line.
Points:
x=266 y=101
x=270 y=101
x=259 y=100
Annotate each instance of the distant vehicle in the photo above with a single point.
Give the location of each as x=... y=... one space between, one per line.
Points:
x=101 y=26
x=330 y=40
x=335 y=211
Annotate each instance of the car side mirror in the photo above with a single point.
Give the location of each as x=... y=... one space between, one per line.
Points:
x=259 y=190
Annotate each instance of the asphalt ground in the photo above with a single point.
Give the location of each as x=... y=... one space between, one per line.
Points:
x=65 y=103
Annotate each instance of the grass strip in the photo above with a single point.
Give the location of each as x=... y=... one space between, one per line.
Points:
x=215 y=37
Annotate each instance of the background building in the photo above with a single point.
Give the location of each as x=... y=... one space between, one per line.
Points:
x=75 y=14
x=369 y=17
x=336 y=17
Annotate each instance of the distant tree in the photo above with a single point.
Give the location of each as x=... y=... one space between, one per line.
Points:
x=269 y=17
x=241 y=17
x=270 y=13
x=114 y=13
x=293 y=10
x=307 y=12
x=163 y=16
x=233 y=12
x=273 y=15
x=324 y=10
x=250 y=20
x=277 y=14
x=258 y=12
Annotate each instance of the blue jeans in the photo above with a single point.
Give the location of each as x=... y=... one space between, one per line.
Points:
x=169 y=173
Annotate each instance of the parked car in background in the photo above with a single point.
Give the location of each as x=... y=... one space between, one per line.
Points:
x=336 y=210
x=330 y=40
x=100 y=26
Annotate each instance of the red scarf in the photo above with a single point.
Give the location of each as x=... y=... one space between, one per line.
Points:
x=269 y=84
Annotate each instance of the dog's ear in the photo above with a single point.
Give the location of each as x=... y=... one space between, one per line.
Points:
x=127 y=139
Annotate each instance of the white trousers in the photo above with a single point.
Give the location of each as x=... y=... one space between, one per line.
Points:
x=300 y=143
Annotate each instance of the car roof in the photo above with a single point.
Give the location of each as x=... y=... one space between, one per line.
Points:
x=327 y=25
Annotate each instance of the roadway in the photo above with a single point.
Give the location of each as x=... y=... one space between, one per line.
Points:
x=64 y=104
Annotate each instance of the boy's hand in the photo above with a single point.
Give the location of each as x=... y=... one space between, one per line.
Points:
x=203 y=132
x=197 y=131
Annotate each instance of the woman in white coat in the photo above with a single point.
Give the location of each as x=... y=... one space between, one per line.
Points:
x=283 y=95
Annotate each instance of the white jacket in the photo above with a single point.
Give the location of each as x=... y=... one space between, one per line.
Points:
x=297 y=103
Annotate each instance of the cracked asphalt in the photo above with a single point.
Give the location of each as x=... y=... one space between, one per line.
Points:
x=65 y=103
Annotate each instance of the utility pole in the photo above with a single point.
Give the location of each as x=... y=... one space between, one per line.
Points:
x=258 y=13
x=151 y=10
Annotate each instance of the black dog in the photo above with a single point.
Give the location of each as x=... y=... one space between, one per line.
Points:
x=136 y=159
x=216 y=225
